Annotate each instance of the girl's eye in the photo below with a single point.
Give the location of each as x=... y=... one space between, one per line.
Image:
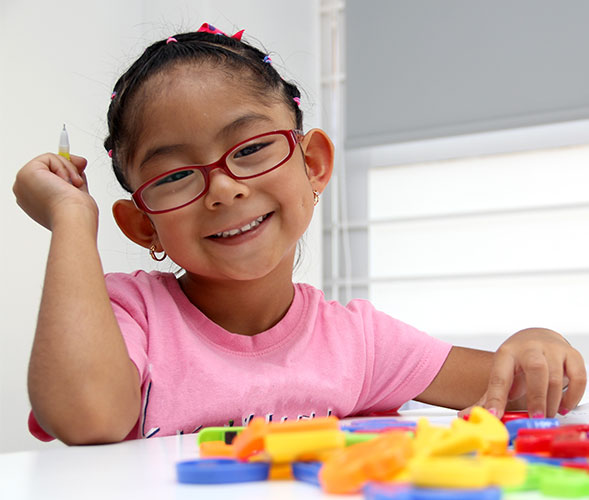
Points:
x=250 y=149
x=176 y=176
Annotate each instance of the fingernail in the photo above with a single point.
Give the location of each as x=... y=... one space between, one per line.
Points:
x=493 y=411
x=538 y=414
x=563 y=411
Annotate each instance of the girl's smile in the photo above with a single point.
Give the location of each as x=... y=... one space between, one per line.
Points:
x=236 y=234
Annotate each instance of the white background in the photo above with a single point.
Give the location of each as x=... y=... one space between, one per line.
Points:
x=58 y=63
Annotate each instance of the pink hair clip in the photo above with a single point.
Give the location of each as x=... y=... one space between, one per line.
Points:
x=110 y=153
x=297 y=100
x=209 y=28
x=238 y=35
x=267 y=60
x=113 y=95
x=170 y=40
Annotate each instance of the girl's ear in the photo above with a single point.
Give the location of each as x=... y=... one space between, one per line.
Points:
x=134 y=223
x=318 y=151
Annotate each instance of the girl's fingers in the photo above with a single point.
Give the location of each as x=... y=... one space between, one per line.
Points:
x=555 y=385
x=466 y=411
x=74 y=172
x=500 y=381
x=79 y=161
x=56 y=165
x=66 y=170
x=535 y=368
x=574 y=367
x=84 y=187
x=518 y=386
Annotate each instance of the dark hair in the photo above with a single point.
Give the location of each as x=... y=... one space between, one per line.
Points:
x=195 y=47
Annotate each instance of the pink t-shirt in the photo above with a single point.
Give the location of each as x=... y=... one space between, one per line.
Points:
x=321 y=359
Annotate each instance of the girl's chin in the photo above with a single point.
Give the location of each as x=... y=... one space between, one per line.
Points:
x=236 y=274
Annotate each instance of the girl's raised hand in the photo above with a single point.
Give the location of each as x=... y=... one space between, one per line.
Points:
x=50 y=183
x=537 y=366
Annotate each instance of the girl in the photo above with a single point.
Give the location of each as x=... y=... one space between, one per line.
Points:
x=208 y=138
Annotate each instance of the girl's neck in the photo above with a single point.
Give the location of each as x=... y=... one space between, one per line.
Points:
x=242 y=307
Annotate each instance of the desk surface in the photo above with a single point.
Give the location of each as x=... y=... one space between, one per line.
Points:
x=144 y=469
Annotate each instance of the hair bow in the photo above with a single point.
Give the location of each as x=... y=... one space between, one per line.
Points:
x=209 y=28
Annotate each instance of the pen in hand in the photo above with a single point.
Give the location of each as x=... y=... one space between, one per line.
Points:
x=74 y=177
x=64 y=144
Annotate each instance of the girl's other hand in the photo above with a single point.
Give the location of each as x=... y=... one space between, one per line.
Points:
x=50 y=183
x=538 y=370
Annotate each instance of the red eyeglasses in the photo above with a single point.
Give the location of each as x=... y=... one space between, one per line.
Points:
x=251 y=158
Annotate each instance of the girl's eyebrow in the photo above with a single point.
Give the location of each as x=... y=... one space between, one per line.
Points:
x=241 y=122
x=161 y=151
x=225 y=131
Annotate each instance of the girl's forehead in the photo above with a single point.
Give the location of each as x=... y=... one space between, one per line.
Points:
x=206 y=81
x=206 y=92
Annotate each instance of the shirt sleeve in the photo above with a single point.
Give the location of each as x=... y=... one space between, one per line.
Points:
x=402 y=361
x=129 y=309
x=37 y=431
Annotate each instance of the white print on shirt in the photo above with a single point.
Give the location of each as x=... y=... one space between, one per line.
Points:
x=270 y=418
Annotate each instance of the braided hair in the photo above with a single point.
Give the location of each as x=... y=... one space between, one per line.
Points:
x=194 y=47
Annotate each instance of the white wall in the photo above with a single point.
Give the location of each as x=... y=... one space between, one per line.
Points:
x=58 y=63
x=475 y=237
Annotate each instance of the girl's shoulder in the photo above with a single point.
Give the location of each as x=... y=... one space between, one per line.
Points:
x=316 y=297
x=140 y=283
x=139 y=278
x=359 y=315
x=318 y=294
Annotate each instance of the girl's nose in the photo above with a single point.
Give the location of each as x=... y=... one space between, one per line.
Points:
x=223 y=190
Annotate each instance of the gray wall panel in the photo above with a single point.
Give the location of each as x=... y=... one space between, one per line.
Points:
x=420 y=68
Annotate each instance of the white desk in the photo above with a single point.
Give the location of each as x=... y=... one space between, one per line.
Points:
x=141 y=469
x=144 y=469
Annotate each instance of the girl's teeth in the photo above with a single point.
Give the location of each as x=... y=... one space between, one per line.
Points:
x=247 y=227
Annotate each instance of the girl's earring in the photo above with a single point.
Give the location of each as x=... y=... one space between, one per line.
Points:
x=154 y=256
x=315 y=197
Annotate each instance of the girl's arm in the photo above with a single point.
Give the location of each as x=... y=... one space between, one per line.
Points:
x=528 y=371
x=82 y=385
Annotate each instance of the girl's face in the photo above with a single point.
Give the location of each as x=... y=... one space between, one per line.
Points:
x=192 y=116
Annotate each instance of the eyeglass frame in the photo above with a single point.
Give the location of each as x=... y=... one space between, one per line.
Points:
x=293 y=137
